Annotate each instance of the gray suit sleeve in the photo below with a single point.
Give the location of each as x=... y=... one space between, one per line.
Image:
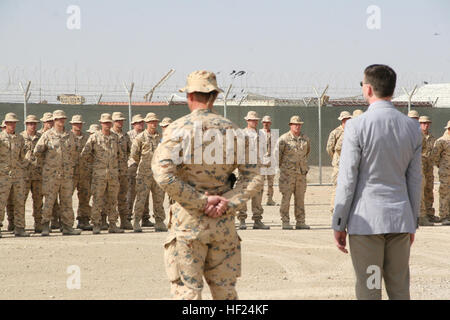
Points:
x=414 y=179
x=347 y=178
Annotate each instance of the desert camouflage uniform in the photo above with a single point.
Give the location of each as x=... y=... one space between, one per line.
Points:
x=132 y=170
x=33 y=177
x=81 y=179
x=293 y=153
x=270 y=177
x=105 y=152
x=441 y=157
x=142 y=151
x=198 y=245
x=257 y=209
x=125 y=145
x=335 y=136
x=12 y=163
x=426 y=207
x=58 y=152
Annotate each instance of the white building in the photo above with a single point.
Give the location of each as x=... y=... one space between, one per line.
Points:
x=429 y=93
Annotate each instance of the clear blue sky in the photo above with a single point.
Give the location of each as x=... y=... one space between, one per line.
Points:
x=277 y=42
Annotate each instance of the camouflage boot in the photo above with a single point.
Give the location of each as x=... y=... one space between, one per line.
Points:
x=286 y=226
x=37 y=227
x=137 y=225
x=242 y=225
x=160 y=226
x=45 y=229
x=55 y=224
x=114 y=229
x=69 y=231
x=270 y=202
x=260 y=225
x=11 y=226
x=85 y=225
x=147 y=223
x=433 y=218
x=125 y=223
x=20 y=232
x=301 y=226
x=424 y=222
x=104 y=225
x=446 y=221
x=96 y=229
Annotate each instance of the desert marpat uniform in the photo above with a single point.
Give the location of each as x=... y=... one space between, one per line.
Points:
x=427 y=169
x=199 y=245
x=105 y=153
x=142 y=151
x=335 y=135
x=441 y=157
x=58 y=152
x=81 y=179
x=293 y=153
x=125 y=145
x=270 y=177
x=33 y=177
x=132 y=171
x=12 y=162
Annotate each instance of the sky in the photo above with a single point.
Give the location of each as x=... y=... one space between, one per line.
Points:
x=280 y=44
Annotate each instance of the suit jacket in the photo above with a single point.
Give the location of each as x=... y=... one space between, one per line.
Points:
x=379 y=182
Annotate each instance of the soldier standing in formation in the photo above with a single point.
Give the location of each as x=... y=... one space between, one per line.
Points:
x=294 y=148
x=104 y=150
x=142 y=149
x=267 y=123
x=57 y=149
x=33 y=170
x=251 y=133
x=441 y=158
x=334 y=147
x=12 y=161
x=125 y=145
x=138 y=126
x=81 y=175
x=203 y=241
x=426 y=207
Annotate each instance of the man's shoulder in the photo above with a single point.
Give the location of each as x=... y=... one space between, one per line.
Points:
x=285 y=136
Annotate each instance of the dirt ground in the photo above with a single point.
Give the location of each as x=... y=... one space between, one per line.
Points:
x=276 y=264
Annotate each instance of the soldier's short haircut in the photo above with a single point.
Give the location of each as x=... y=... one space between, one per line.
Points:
x=205 y=97
x=382 y=78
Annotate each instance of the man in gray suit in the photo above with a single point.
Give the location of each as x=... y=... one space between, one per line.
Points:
x=379 y=190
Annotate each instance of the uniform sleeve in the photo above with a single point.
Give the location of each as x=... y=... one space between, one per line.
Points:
x=135 y=152
x=281 y=146
x=436 y=153
x=331 y=143
x=41 y=147
x=86 y=153
x=308 y=150
x=164 y=172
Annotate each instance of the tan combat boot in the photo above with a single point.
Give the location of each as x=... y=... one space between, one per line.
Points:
x=160 y=226
x=69 y=231
x=147 y=223
x=114 y=229
x=137 y=225
x=270 y=202
x=125 y=223
x=20 y=232
x=286 y=226
x=260 y=225
x=242 y=225
x=104 y=225
x=424 y=222
x=96 y=229
x=55 y=224
x=301 y=226
x=45 y=229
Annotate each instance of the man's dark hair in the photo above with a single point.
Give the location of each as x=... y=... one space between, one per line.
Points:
x=382 y=79
x=205 y=97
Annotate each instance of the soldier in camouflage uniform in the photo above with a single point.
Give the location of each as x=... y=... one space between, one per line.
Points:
x=12 y=163
x=257 y=210
x=357 y=113
x=57 y=150
x=294 y=148
x=203 y=241
x=334 y=146
x=426 y=207
x=33 y=171
x=81 y=174
x=47 y=124
x=441 y=157
x=104 y=150
x=138 y=126
x=142 y=152
x=9 y=203
x=164 y=124
x=125 y=144
x=267 y=122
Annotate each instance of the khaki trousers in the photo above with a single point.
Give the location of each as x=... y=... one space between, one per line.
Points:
x=381 y=256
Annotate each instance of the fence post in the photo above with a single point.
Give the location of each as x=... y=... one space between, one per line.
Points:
x=410 y=95
x=319 y=107
x=130 y=93
x=26 y=97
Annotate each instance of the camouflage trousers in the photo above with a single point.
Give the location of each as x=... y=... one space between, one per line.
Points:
x=292 y=184
x=444 y=196
x=257 y=208
x=334 y=176
x=104 y=193
x=188 y=260
x=52 y=188
x=35 y=186
x=81 y=183
x=122 y=204
x=428 y=196
x=145 y=185
x=270 y=179
x=131 y=196
x=15 y=188
x=422 y=212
